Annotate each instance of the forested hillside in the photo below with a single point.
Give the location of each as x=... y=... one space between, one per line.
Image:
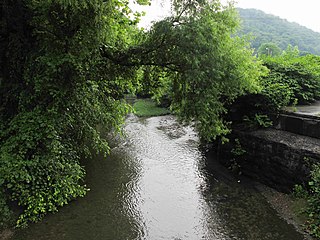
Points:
x=269 y=28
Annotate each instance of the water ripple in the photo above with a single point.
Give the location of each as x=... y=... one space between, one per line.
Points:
x=157 y=184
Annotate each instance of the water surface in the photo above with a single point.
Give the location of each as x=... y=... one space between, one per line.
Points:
x=157 y=184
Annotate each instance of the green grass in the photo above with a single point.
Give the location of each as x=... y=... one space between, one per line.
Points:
x=148 y=108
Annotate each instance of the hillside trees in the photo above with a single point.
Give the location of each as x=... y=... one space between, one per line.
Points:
x=267 y=28
x=65 y=66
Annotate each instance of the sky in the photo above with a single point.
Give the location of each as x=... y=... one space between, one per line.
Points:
x=304 y=12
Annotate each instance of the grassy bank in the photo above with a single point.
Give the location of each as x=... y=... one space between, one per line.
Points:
x=148 y=108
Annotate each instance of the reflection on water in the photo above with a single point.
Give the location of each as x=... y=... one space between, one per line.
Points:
x=158 y=185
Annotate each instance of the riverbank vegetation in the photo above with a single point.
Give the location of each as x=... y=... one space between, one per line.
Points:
x=67 y=65
x=292 y=79
x=314 y=202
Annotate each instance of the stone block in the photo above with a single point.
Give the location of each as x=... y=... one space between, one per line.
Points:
x=294 y=125
x=311 y=128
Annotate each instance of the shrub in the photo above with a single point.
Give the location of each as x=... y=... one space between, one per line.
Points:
x=292 y=78
x=39 y=169
x=312 y=197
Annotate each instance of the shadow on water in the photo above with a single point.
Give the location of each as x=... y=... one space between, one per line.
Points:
x=106 y=212
x=241 y=208
x=155 y=185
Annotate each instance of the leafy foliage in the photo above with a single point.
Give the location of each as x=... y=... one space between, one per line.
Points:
x=55 y=90
x=6 y=216
x=258 y=120
x=292 y=78
x=267 y=28
x=37 y=167
x=208 y=68
x=311 y=195
x=237 y=150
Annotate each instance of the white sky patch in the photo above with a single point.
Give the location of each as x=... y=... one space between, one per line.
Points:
x=158 y=10
x=304 y=12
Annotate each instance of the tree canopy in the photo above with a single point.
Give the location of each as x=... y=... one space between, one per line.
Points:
x=207 y=67
x=66 y=65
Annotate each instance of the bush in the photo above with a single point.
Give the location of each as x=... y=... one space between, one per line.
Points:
x=279 y=94
x=312 y=196
x=38 y=168
x=292 y=79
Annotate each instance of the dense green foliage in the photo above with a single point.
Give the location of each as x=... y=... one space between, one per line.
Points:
x=208 y=67
x=267 y=28
x=6 y=216
x=66 y=65
x=311 y=196
x=55 y=89
x=292 y=79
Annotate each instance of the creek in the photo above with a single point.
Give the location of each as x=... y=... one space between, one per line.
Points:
x=157 y=184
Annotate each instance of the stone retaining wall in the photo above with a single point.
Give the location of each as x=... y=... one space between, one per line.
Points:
x=277 y=158
x=302 y=124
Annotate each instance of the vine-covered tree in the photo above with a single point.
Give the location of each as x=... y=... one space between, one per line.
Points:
x=65 y=66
